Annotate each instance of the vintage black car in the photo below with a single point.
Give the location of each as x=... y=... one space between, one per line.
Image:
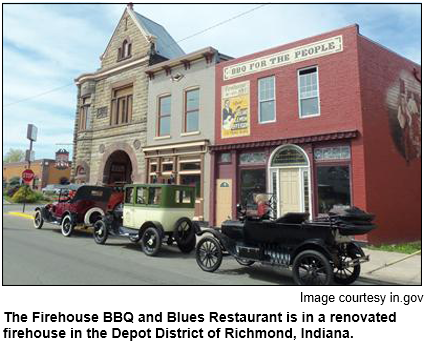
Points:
x=319 y=252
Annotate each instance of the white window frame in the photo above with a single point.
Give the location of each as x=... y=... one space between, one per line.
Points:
x=259 y=101
x=298 y=94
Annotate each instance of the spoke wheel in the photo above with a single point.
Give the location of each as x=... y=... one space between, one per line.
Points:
x=151 y=241
x=344 y=275
x=38 y=220
x=244 y=262
x=208 y=254
x=312 y=268
x=67 y=227
x=184 y=235
x=100 y=232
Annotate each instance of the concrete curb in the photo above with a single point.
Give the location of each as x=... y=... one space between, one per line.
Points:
x=19 y=214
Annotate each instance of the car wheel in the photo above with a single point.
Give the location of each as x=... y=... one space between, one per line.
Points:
x=310 y=267
x=244 y=262
x=208 y=254
x=151 y=241
x=184 y=235
x=100 y=232
x=347 y=275
x=38 y=220
x=67 y=226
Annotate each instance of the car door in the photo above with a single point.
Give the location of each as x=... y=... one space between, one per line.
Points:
x=128 y=212
x=140 y=206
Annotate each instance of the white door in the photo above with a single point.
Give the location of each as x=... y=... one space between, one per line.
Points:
x=289 y=197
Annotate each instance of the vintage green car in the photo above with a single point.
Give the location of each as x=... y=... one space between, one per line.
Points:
x=152 y=214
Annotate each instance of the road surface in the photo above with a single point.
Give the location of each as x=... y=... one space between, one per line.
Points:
x=45 y=257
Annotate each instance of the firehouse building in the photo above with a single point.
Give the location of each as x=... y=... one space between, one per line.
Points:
x=331 y=120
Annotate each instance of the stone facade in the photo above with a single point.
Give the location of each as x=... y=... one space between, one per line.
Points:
x=97 y=139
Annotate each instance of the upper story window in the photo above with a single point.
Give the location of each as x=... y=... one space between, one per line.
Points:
x=125 y=50
x=308 y=92
x=164 y=116
x=121 y=106
x=192 y=110
x=266 y=98
x=84 y=117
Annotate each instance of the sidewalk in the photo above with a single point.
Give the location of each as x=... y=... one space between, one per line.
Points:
x=406 y=272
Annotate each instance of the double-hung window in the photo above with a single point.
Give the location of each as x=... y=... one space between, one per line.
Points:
x=121 y=106
x=308 y=92
x=192 y=110
x=164 y=127
x=266 y=98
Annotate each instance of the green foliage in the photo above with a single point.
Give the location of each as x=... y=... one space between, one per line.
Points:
x=26 y=194
x=14 y=155
x=405 y=248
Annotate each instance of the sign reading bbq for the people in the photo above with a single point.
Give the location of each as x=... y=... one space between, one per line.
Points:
x=235 y=117
x=281 y=58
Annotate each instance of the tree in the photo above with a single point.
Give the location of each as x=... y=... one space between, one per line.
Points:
x=14 y=155
x=14 y=181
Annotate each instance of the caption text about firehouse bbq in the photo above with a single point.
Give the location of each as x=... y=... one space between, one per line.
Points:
x=236 y=325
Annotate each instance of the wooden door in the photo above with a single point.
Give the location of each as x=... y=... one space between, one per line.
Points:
x=224 y=202
x=290 y=200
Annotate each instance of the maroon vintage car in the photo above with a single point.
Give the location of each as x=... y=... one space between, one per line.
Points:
x=84 y=208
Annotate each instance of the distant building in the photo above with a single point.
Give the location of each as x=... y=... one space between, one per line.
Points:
x=111 y=119
x=46 y=171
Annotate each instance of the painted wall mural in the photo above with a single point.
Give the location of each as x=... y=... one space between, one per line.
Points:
x=404 y=105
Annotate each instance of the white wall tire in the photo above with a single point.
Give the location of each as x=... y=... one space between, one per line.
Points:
x=38 y=220
x=92 y=215
x=67 y=227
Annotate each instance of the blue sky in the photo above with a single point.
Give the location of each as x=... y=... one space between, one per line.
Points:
x=47 y=46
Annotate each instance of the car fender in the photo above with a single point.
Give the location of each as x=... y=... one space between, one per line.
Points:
x=157 y=225
x=312 y=244
x=90 y=212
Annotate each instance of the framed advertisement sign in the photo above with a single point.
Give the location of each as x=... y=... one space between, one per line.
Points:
x=235 y=113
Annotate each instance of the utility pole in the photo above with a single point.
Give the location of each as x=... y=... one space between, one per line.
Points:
x=32 y=132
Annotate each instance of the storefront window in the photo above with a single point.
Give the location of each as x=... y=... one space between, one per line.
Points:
x=253 y=181
x=225 y=157
x=191 y=180
x=253 y=158
x=190 y=166
x=333 y=187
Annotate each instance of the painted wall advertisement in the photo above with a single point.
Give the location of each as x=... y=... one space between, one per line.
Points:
x=235 y=118
x=286 y=57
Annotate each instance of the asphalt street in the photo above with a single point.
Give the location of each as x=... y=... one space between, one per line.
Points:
x=45 y=257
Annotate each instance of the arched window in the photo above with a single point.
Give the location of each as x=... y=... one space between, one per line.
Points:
x=125 y=50
x=289 y=156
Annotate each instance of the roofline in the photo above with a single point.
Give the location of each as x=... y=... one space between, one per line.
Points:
x=255 y=53
x=131 y=13
x=26 y=162
x=388 y=49
x=191 y=57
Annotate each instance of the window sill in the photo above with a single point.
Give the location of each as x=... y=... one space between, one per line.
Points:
x=309 y=116
x=192 y=133
x=267 y=122
x=123 y=58
x=158 y=138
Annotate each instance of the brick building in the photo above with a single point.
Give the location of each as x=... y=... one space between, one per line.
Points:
x=333 y=119
x=110 y=126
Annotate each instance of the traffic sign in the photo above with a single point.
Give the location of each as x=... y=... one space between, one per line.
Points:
x=27 y=175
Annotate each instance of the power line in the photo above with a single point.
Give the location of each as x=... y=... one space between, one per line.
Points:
x=221 y=23
x=179 y=41
x=38 y=95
